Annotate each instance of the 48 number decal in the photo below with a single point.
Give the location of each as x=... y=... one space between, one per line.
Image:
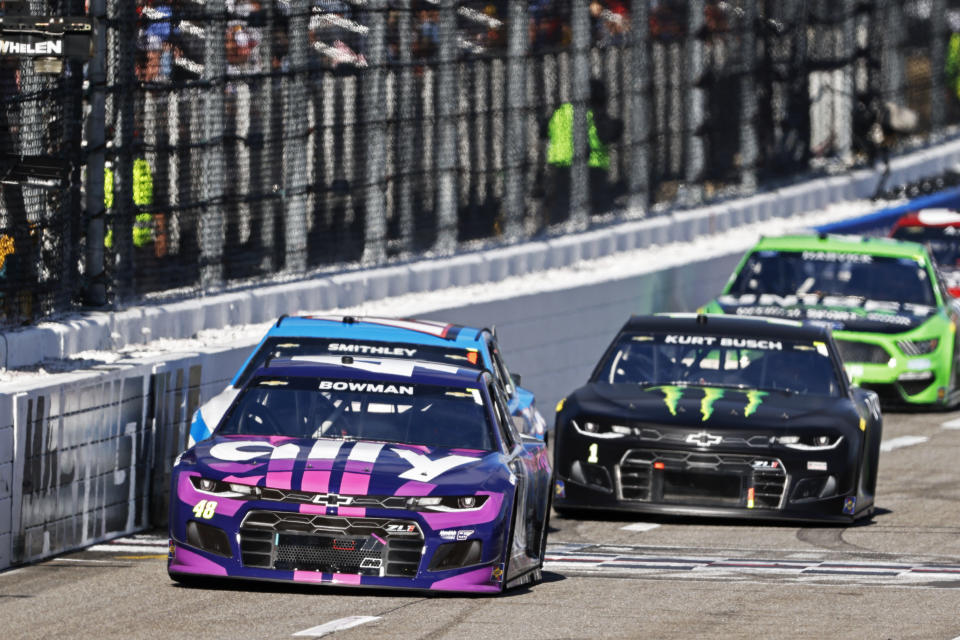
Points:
x=205 y=509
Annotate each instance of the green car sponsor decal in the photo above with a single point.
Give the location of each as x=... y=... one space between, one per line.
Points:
x=672 y=395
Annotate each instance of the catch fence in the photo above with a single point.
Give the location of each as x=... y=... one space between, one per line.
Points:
x=212 y=144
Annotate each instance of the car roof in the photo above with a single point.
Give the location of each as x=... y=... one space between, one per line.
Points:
x=423 y=332
x=937 y=217
x=722 y=324
x=884 y=247
x=364 y=368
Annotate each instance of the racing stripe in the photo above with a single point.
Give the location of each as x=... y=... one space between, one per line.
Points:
x=280 y=468
x=316 y=477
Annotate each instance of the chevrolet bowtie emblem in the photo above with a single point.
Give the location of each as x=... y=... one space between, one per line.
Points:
x=703 y=439
x=332 y=499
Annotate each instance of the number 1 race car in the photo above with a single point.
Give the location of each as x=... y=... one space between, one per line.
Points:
x=363 y=472
x=890 y=313
x=719 y=416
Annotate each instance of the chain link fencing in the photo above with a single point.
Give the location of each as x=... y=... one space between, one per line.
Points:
x=214 y=144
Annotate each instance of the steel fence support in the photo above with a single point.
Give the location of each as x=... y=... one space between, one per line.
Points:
x=264 y=133
x=580 y=97
x=639 y=87
x=211 y=222
x=295 y=120
x=748 y=97
x=374 y=128
x=844 y=96
x=446 y=92
x=125 y=80
x=518 y=44
x=95 y=292
x=406 y=128
x=939 y=38
x=694 y=107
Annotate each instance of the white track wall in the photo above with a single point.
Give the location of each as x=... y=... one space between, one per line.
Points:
x=85 y=457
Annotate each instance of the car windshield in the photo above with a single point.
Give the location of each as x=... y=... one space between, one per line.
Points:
x=292 y=347
x=655 y=359
x=417 y=414
x=944 y=242
x=819 y=274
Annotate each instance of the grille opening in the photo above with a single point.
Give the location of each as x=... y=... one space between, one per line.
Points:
x=209 y=538
x=913 y=387
x=865 y=352
x=814 y=488
x=453 y=555
x=694 y=488
x=287 y=541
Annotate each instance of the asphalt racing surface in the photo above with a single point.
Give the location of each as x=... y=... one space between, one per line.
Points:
x=896 y=576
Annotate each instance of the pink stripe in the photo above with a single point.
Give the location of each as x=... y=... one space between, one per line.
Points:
x=247 y=480
x=354 y=484
x=320 y=465
x=358 y=466
x=357 y=512
x=232 y=467
x=279 y=480
x=283 y=464
x=279 y=439
x=486 y=513
x=316 y=481
x=346 y=578
x=187 y=561
x=415 y=488
x=476 y=580
x=313 y=508
x=309 y=576
x=190 y=496
x=416 y=447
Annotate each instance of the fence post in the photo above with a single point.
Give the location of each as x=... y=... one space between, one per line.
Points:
x=748 y=97
x=518 y=42
x=938 y=53
x=844 y=102
x=691 y=192
x=639 y=87
x=95 y=293
x=264 y=223
x=405 y=129
x=295 y=179
x=580 y=97
x=211 y=222
x=124 y=80
x=374 y=127
x=446 y=147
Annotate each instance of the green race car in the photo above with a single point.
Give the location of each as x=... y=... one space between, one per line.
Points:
x=891 y=315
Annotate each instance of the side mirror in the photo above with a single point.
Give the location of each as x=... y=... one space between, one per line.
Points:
x=516 y=378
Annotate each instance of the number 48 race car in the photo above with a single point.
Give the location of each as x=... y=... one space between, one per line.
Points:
x=717 y=416
x=367 y=473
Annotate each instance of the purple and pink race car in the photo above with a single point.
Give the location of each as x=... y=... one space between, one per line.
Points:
x=364 y=472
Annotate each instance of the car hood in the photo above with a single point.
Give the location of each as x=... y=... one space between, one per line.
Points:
x=354 y=468
x=838 y=313
x=713 y=406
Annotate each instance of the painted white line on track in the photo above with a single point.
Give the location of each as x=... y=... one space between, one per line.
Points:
x=130 y=548
x=84 y=560
x=640 y=526
x=336 y=625
x=952 y=424
x=901 y=442
x=10 y=573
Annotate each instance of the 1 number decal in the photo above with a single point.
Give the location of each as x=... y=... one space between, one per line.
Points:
x=592 y=458
x=205 y=509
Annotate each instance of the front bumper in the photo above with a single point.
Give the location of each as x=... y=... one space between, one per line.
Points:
x=341 y=546
x=772 y=483
x=875 y=362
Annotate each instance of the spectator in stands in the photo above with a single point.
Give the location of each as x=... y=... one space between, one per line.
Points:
x=602 y=130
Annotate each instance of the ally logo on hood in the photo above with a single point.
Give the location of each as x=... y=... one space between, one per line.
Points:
x=422 y=467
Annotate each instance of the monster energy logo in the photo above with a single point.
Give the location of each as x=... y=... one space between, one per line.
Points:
x=673 y=394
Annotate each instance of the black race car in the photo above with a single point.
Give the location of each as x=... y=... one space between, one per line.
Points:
x=719 y=416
